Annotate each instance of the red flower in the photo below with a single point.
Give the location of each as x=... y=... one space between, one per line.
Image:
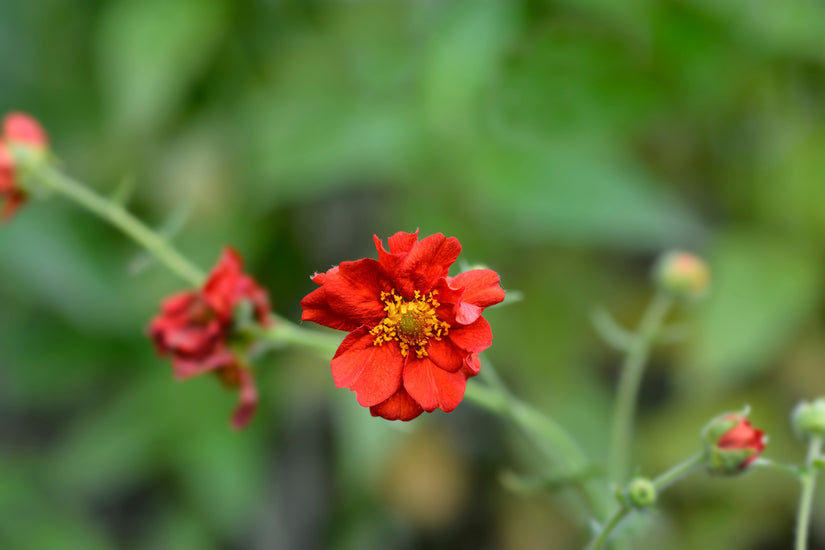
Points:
x=20 y=130
x=196 y=327
x=733 y=443
x=414 y=331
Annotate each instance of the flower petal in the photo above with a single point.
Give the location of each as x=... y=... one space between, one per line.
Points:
x=475 y=337
x=426 y=262
x=186 y=367
x=433 y=387
x=445 y=355
x=398 y=407
x=247 y=399
x=482 y=289
x=316 y=309
x=372 y=372
x=219 y=288
x=472 y=365
x=353 y=294
x=6 y=169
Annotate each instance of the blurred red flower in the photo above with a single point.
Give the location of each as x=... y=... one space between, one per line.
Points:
x=742 y=437
x=19 y=130
x=415 y=332
x=196 y=328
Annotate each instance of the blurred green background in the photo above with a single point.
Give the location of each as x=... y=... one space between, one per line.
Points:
x=564 y=143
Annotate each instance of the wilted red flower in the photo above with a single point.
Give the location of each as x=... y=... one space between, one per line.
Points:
x=415 y=332
x=20 y=130
x=734 y=443
x=196 y=327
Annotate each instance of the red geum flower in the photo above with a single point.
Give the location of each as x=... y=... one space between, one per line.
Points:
x=733 y=443
x=196 y=328
x=414 y=332
x=20 y=130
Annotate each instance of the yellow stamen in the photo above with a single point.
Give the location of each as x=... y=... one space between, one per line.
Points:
x=412 y=322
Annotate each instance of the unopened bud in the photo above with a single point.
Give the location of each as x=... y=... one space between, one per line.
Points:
x=809 y=418
x=683 y=274
x=732 y=444
x=641 y=493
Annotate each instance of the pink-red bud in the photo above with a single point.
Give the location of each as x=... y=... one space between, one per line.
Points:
x=683 y=274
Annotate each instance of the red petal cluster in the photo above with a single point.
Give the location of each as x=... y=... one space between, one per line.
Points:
x=22 y=130
x=195 y=327
x=742 y=436
x=395 y=383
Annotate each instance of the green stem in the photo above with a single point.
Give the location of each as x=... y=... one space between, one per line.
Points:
x=282 y=332
x=552 y=440
x=630 y=379
x=662 y=482
x=808 y=480
x=285 y=333
x=668 y=478
x=122 y=219
x=609 y=527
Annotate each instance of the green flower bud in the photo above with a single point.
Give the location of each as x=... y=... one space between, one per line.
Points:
x=641 y=493
x=682 y=274
x=809 y=418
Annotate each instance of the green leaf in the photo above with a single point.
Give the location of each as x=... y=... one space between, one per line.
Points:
x=150 y=53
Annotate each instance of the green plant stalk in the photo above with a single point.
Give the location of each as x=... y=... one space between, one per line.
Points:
x=282 y=331
x=662 y=482
x=552 y=440
x=631 y=372
x=807 y=479
x=62 y=184
x=286 y=333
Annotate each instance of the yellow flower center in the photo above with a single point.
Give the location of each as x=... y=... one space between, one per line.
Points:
x=412 y=322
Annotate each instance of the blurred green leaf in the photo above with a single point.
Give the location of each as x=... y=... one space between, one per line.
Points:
x=464 y=50
x=151 y=52
x=763 y=290
x=576 y=190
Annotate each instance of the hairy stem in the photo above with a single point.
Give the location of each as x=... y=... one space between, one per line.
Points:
x=123 y=220
x=808 y=481
x=630 y=379
x=551 y=439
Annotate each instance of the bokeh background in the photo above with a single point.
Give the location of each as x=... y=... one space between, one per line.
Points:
x=565 y=143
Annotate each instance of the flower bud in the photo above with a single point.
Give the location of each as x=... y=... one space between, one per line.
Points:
x=641 y=493
x=22 y=141
x=732 y=444
x=809 y=418
x=683 y=274
x=21 y=129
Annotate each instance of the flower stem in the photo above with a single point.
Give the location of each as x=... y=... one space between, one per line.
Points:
x=808 y=480
x=284 y=332
x=662 y=482
x=630 y=379
x=668 y=478
x=552 y=440
x=122 y=219
x=609 y=527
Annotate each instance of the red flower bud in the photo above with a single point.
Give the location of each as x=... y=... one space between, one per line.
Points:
x=19 y=130
x=733 y=443
x=197 y=327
